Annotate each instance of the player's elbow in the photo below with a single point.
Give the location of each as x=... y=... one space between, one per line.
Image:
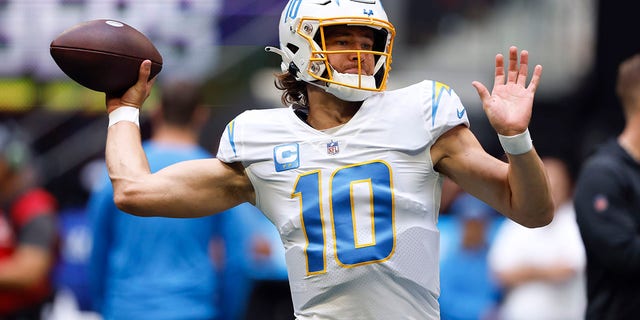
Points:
x=538 y=218
x=122 y=201
x=540 y=222
x=126 y=200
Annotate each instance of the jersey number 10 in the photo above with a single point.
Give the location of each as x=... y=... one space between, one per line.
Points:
x=357 y=194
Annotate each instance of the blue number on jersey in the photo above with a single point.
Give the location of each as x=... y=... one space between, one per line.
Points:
x=307 y=188
x=345 y=197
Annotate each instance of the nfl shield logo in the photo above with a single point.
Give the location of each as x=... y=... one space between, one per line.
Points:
x=333 y=148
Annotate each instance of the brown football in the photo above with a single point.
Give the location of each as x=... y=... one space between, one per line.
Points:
x=104 y=55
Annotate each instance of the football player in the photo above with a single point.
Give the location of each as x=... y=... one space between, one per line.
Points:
x=350 y=173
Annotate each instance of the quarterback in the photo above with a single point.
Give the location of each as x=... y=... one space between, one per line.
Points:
x=349 y=173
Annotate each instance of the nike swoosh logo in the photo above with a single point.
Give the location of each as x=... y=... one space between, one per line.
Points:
x=461 y=113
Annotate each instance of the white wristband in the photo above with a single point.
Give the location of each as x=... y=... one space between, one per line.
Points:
x=130 y=114
x=518 y=144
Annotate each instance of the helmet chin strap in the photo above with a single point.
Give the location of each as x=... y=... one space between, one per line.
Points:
x=347 y=93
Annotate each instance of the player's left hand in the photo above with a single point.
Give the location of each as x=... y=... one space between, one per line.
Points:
x=137 y=94
x=508 y=106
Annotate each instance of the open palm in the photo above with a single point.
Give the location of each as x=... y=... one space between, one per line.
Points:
x=508 y=106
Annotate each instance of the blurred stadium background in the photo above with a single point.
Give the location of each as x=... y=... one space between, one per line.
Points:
x=221 y=43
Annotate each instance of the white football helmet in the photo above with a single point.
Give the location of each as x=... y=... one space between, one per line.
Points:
x=304 y=52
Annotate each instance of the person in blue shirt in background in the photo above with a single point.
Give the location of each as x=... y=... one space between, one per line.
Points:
x=468 y=291
x=157 y=268
x=254 y=277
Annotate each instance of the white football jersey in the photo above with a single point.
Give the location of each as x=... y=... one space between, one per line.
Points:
x=356 y=209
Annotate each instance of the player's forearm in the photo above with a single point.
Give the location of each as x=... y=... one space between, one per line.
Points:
x=531 y=202
x=125 y=158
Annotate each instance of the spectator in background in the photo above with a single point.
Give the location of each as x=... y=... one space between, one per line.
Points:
x=542 y=270
x=28 y=232
x=468 y=292
x=157 y=268
x=607 y=202
x=254 y=277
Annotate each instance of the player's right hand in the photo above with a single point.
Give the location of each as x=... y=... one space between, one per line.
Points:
x=137 y=94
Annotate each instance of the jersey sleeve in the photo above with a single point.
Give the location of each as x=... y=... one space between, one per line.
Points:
x=446 y=110
x=250 y=136
x=227 y=149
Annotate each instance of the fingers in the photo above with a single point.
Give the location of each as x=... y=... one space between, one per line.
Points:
x=499 y=70
x=523 y=71
x=144 y=84
x=524 y=68
x=137 y=94
x=535 y=79
x=483 y=92
x=143 y=77
x=517 y=73
x=512 y=75
x=144 y=72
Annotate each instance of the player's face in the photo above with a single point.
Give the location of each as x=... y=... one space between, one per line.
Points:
x=350 y=38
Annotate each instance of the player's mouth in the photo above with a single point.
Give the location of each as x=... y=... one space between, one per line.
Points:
x=355 y=71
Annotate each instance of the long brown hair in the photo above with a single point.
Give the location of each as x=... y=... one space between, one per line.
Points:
x=294 y=92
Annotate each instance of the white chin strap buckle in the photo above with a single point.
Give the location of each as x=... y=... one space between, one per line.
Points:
x=348 y=93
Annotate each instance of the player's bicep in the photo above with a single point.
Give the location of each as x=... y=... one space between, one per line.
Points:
x=187 y=189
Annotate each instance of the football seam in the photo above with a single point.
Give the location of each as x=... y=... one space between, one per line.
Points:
x=105 y=52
